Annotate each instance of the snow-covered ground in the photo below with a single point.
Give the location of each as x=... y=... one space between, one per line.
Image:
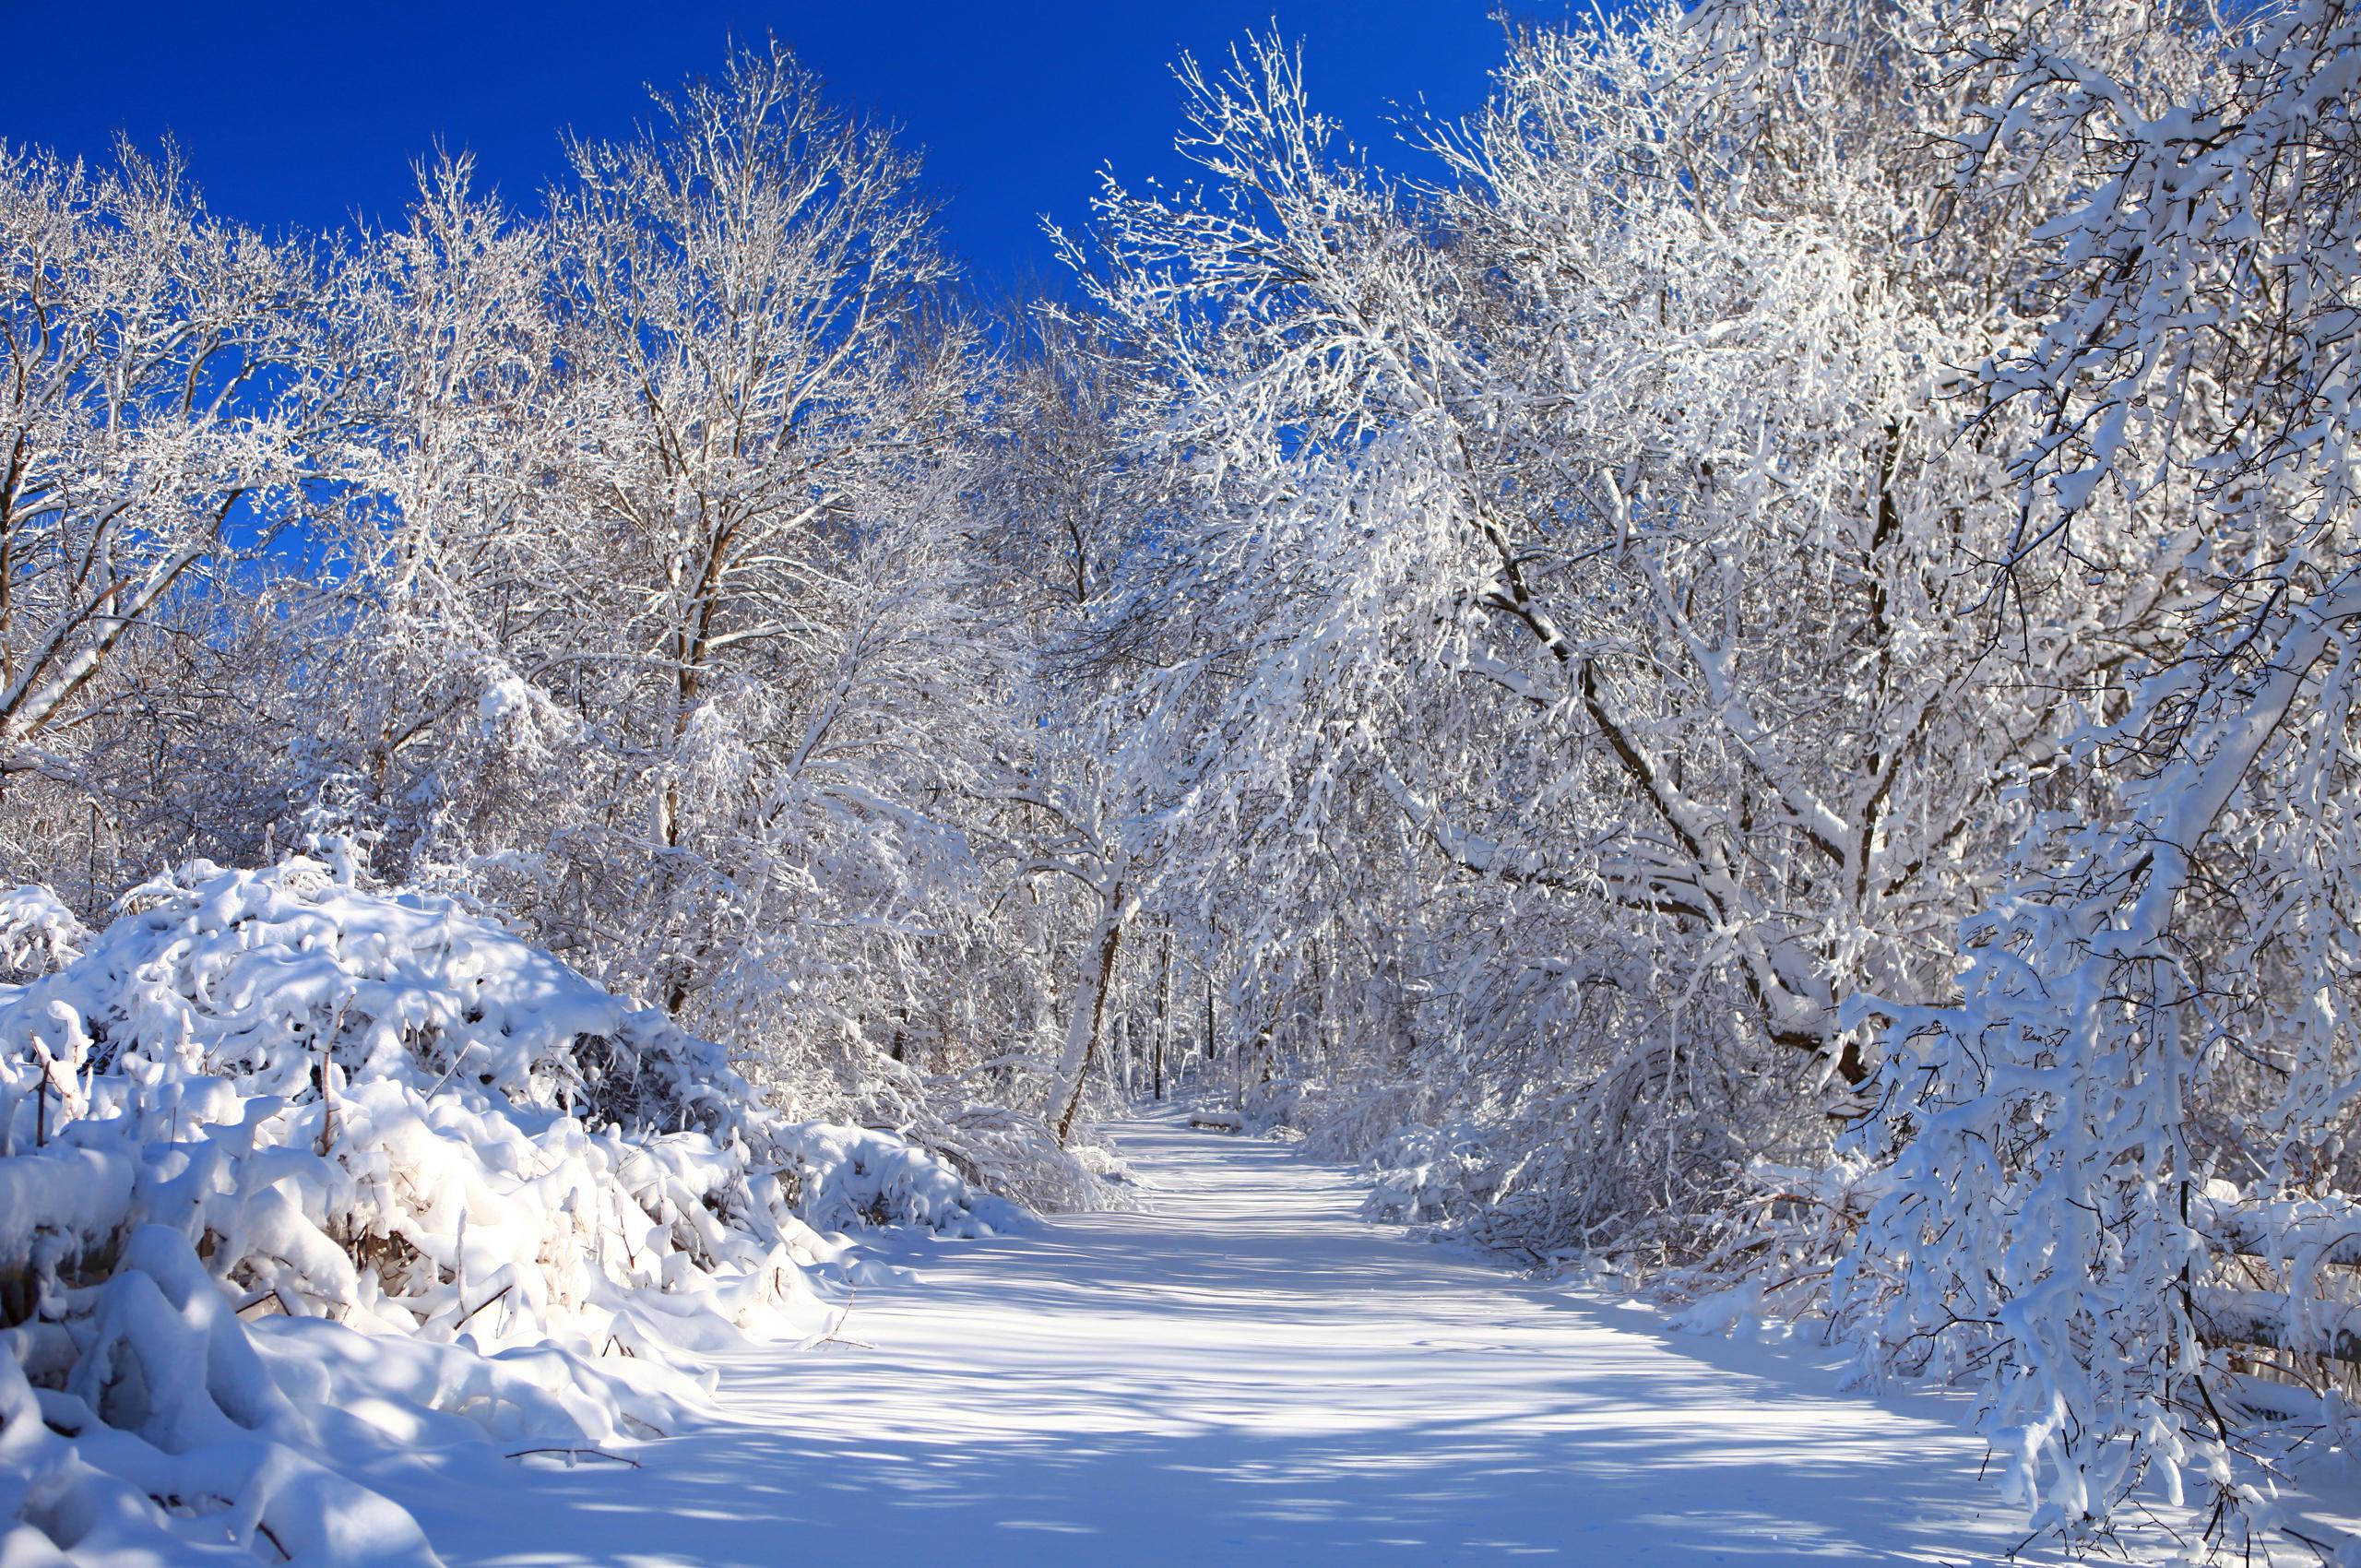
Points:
x=1243 y=1371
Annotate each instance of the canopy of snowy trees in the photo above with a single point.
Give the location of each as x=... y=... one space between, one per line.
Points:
x=1745 y=673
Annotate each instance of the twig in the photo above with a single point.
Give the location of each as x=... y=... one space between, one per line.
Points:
x=481 y=1305
x=573 y=1454
x=834 y=1335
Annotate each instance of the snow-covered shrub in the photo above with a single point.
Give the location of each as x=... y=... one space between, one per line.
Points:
x=167 y=1438
x=850 y=1178
x=1008 y=1151
x=36 y=933
x=266 y=1119
x=987 y=1141
x=1780 y=1243
x=1430 y=1175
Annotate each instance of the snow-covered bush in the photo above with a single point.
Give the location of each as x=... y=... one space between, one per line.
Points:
x=1011 y=1152
x=276 y=1149
x=1425 y=1175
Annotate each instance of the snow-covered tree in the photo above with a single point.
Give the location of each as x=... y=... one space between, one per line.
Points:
x=2121 y=1186
x=1593 y=530
x=163 y=397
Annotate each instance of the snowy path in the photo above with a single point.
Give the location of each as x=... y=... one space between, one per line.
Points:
x=1247 y=1374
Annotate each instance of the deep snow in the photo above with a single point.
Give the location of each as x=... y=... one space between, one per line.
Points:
x=1244 y=1372
x=468 y=1194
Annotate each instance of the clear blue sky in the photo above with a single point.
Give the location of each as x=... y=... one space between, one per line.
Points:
x=301 y=114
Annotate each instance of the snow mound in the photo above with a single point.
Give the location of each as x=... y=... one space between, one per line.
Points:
x=292 y=1172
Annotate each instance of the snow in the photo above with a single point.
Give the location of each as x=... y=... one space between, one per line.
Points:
x=1750 y=686
x=480 y=1198
x=1244 y=1371
x=454 y=1370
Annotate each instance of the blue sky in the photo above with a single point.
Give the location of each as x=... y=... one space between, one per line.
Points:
x=301 y=114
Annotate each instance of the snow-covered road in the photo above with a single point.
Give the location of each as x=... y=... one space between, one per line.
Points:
x=1243 y=1371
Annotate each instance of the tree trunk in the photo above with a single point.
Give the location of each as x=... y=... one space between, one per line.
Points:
x=1089 y=1012
x=1163 y=1005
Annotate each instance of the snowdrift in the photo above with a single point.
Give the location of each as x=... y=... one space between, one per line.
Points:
x=295 y=1175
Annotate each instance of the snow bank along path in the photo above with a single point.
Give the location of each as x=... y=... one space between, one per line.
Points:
x=1244 y=1372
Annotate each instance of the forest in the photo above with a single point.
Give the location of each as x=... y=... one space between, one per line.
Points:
x=1739 y=682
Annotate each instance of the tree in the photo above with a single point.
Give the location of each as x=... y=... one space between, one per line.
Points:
x=1592 y=534
x=2118 y=1155
x=163 y=398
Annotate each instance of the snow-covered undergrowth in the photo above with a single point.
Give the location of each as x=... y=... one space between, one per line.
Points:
x=295 y=1174
x=996 y=1146
x=1427 y=1175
